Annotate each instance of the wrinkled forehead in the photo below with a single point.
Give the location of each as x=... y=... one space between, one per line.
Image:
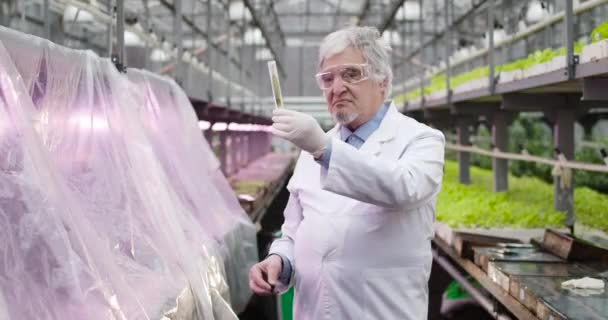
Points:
x=342 y=67
x=349 y=55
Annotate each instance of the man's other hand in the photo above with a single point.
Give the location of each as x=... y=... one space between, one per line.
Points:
x=264 y=275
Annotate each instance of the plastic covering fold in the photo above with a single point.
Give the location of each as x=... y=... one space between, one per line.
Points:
x=112 y=205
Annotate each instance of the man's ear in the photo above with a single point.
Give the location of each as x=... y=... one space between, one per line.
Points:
x=384 y=83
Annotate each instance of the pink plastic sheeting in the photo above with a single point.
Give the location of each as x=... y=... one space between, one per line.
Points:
x=194 y=173
x=267 y=168
x=53 y=265
x=151 y=237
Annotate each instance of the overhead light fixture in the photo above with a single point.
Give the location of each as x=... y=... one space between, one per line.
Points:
x=204 y=125
x=537 y=11
x=294 y=42
x=133 y=40
x=74 y=14
x=219 y=126
x=410 y=10
x=236 y=11
x=254 y=36
x=263 y=54
x=391 y=37
x=159 y=55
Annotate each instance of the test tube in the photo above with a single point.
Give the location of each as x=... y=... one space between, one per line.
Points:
x=276 y=85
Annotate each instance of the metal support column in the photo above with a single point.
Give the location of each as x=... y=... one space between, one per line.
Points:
x=435 y=23
x=234 y=151
x=448 y=48
x=242 y=149
x=110 y=34
x=47 y=18
x=267 y=143
x=229 y=56
x=242 y=61
x=251 y=140
x=569 y=39
x=500 y=140
x=177 y=32
x=464 y=158
x=5 y=13
x=257 y=145
x=421 y=39
x=223 y=151
x=209 y=51
x=148 y=27
x=239 y=150
x=120 y=31
x=563 y=138
x=510 y=22
x=491 y=46
x=406 y=71
x=245 y=148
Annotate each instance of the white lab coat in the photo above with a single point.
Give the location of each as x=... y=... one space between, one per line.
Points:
x=359 y=233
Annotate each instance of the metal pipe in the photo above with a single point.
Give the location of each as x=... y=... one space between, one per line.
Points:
x=148 y=28
x=569 y=39
x=421 y=39
x=241 y=59
x=435 y=22
x=47 y=18
x=448 y=45
x=110 y=34
x=404 y=44
x=388 y=19
x=510 y=24
x=120 y=31
x=483 y=301
x=229 y=49
x=209 y=51
x=177 y=31
x=491 y=46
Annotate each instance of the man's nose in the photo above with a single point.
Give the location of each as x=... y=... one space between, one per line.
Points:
x=338 y=86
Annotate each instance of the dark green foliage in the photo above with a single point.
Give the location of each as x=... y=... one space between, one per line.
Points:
x=536 y=137
x=594 y=180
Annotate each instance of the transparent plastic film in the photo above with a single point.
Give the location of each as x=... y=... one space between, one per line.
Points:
x=276 y=84
x=110 y=198
x=194 y=174
x=52 y=265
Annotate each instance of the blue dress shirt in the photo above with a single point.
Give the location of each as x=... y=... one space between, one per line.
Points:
x=357 y=138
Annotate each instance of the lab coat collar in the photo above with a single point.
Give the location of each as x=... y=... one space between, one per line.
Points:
x=386 y=131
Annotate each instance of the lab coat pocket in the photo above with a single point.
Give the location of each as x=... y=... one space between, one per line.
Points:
x=395 y=293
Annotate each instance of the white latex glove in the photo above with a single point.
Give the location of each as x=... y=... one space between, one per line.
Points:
x=301 y=129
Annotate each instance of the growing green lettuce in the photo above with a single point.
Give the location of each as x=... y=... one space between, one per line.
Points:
x=600 y=32
x=438 y=82
x=527 y=204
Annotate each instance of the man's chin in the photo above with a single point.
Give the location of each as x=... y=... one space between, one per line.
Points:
x=344 y=118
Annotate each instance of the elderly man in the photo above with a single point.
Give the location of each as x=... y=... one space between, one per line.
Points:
x=358 y=225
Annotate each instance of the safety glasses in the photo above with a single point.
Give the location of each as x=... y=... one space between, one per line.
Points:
x=348 y=73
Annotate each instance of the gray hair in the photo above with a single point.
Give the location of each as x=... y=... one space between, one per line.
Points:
x=367 y=40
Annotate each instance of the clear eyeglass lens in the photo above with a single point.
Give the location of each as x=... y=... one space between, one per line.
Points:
x=348 y=74
x=326 y=80
x=351 y=74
